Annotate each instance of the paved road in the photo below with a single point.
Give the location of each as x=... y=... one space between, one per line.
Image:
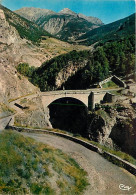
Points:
x=4 y=121
x=103 y=176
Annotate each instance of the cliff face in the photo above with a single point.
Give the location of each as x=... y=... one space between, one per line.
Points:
x=68 y=71
x=11 y=84
x=115 y=127
x=34 y=115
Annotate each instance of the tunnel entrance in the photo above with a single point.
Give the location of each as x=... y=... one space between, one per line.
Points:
x=69 y=114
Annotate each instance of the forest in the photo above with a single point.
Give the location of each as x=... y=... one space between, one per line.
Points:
x=115 y=57
x=111 y=58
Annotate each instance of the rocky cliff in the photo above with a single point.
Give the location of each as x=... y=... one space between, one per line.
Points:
x=34 y=115
x=12 y=47
x=68 y=71
x=114 y=126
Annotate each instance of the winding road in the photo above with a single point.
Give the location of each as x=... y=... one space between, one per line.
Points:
x=103 y=176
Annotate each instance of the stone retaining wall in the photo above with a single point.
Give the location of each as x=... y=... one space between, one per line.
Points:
x=110 y=98
x=110 y=157
x=118 y=81
x=115 y=79
x=122 y=163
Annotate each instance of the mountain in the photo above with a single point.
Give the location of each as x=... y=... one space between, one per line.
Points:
x=66 y=25
x=25 y=28
x=67 y=11
x=32 y=13
x=110 y=32
x=22 y=41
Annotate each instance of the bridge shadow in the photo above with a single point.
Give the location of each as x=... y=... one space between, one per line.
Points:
x=69 y=114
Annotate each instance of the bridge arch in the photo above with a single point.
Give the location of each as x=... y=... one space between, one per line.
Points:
x=68 y=101
x=69 y=114
x=48 y=98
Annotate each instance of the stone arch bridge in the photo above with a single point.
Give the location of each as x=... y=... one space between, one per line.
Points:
x=88 y=97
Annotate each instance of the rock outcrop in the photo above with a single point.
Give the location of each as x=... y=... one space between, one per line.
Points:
x=68 y=71
x=114 y=127
x=33 y=115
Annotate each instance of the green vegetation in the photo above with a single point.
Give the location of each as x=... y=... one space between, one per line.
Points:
x=121 y=55
x=44 y=76
x=110 y=32
x=117 y=57
x=25 y=28
x=29 y=167
x=25 y=69
x=96 y=70
x=109 y=84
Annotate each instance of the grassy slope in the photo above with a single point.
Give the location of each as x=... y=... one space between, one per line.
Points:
x=30 y=167
x=110 y=84
x=54 y=47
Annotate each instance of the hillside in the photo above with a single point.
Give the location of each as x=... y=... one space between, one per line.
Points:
x=66 y=25
x=116 y=57
x=80 y=70
x=25 y=28
x=52 y=74
x=44 y=170
x=110 y=32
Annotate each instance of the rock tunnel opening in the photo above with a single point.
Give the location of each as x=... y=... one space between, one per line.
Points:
x=69 y=114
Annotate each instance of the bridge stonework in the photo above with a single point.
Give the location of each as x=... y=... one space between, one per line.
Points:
x=88 y=98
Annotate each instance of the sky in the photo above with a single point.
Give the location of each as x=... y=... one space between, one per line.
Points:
x=106 y=10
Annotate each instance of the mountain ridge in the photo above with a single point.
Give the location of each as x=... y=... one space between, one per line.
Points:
x=66 y=25
x=47 y=12
x=109 y=32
